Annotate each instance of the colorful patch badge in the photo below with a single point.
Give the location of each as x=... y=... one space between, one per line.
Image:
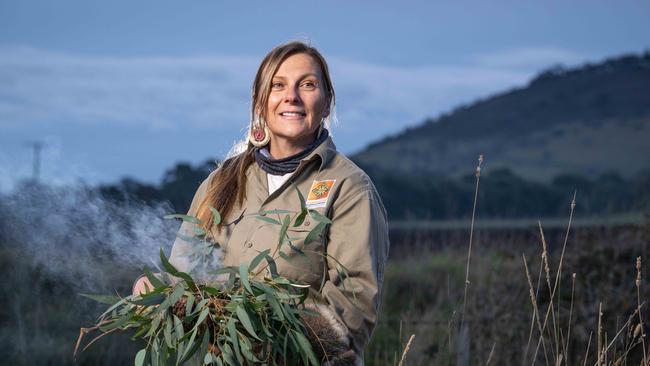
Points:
x=319 y=193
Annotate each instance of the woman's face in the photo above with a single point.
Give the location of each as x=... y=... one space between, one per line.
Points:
x=297 y=101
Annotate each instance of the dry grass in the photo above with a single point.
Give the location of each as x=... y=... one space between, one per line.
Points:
x=495 y=313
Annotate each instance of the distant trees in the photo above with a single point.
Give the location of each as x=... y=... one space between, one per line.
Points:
x=502 y=194
x=177 y=186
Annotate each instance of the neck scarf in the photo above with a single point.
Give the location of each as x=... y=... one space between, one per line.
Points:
x=289 y=164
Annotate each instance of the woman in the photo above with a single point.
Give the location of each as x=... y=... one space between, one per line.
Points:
x=290 y=148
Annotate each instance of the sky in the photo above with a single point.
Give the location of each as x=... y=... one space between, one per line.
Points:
x=124 y=88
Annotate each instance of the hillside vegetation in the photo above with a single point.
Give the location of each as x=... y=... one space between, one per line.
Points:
x=587 y=121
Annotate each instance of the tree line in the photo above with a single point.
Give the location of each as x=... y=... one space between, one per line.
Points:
x=502 y=193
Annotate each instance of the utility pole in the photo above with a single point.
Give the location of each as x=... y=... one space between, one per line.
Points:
x=37 y=146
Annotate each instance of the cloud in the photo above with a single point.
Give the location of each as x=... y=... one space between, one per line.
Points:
x=162 y=93
x=210 y=95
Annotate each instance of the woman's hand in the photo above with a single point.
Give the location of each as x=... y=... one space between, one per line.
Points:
x=139 y=286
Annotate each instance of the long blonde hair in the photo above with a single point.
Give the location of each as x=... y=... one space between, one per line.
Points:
x=228 y=184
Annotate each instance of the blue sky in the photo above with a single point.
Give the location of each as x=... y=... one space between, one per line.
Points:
x=123 y=88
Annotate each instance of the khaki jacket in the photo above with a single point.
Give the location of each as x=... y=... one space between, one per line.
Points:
x=357 y=237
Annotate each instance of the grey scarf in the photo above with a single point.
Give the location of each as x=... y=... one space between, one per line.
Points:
x=290 y=163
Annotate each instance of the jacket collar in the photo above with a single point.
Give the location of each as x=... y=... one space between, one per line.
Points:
x=324 y=152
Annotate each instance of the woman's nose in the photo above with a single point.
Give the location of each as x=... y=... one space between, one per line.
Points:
x=292 y=96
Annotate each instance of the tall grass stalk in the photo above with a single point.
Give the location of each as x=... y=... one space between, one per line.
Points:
x=568 y=336
x=637 y=284
x=532 y=320
x=584 y=363
x=609 y=344
x=547 y=271
x=406 y=350
x=599 y=334
x=487 y=363
x=533 y=300
x=471 y=236
x=558 y=274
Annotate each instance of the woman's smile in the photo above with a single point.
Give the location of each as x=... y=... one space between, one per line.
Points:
x=293 y=115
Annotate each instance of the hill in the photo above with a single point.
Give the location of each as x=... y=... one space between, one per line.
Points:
x=587 y=120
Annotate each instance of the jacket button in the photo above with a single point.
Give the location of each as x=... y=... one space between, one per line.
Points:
x=249 y=244
x=307 y=223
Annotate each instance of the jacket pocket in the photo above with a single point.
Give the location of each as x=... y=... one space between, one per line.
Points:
x=302 y=261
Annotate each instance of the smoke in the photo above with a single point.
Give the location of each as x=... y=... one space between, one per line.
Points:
x=57 y=242
x=78 y=237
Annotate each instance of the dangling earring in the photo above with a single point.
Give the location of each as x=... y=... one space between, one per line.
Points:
x=259 y=134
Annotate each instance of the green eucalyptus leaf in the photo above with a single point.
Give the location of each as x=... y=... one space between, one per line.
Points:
x=273 y=269
x=246 y=350
x=315 y=232
x=202 y=316
x=198 y=231
x=104 y=299
x=152 y=278
x=216 y=216
x=300 y=218
x=118 y=323
x=273 y=212
x=303 y=204
x=168 y=266
x=179 y=332
x=149 y=299
x=283 y=230
x=243 y=275
x=283 y=255
x=268 y=219
x=190 y=303
x=191 y=346
x=234 y=339
x=305 y=347
x=243 y=317
x=223 y=270
x=176 y=294
x=319 y=217
x=226 y=350
x=155 y=323
x=140 y=356
x=258 y=258
x=185 y=218
x=167 y=332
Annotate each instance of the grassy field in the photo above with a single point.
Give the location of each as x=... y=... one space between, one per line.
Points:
x=423 y=295
x=424 y=290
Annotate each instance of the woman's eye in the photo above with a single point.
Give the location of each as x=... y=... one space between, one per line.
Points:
x=309 y=84
x=276 y=85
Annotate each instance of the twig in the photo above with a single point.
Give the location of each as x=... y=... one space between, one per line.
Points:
x=84 y=331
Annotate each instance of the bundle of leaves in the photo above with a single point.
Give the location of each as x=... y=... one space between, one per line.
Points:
x=249 y=315
x=246 y=320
